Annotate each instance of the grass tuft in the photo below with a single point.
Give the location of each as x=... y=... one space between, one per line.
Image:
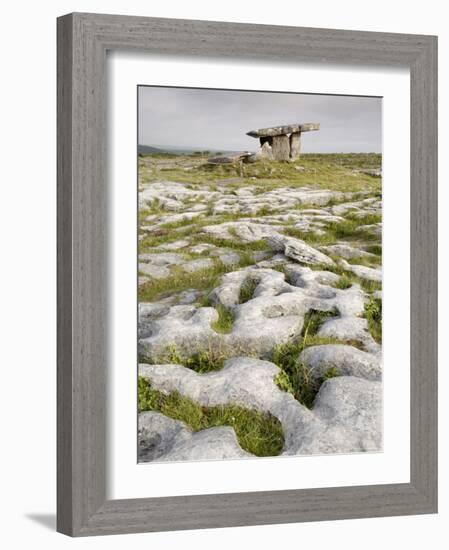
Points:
x=374 y=249
x=373 y=314
x=343 y=283
x=258 y=433
x=247 y=290
x=179 y=280
x=313 y=320
x=205 y=360
x=223 y=325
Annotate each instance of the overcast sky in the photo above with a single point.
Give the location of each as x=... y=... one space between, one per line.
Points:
x=219 y=119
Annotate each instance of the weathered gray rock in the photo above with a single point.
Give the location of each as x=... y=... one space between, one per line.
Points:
x=184 y=327
x=349 y=411
x=163 y=439
x=375 y=228
x=175 y=245
x=201 y=248
x=266 y=321
x=244 y=231
x=228 y=258
x=212 y=444
x=243 y=380
x=142 y=280
x=350 y=328
x=348 y=360
x=266 y=151
x=298 y=250
x=377 y=294
x=179 y=217
x=172 y=195
x=158 y=265
x=345 y=251
x=198 y=264
x=304 y=277
x=295 y=145
x=157 y=434
x=285 y=129
x=364 y=272
x=280 y=147
x=154 y=271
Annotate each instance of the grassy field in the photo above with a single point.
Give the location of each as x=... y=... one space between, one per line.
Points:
x=339 y=172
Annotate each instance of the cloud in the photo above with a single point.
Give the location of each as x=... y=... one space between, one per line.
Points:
x=219 y=119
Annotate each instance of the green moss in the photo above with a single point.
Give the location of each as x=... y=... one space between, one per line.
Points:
x=258 y=433
x=283 y=382
x=350 y=230
x=333 y=372
x=365 y=219
x=374 y=249
x=247 y=290
x=223 y=324
x=373 y=314
x=207 y=359
x=343 y=283
x=313 y=320
x=368 y=261
x=370 y=286
x=295 y=378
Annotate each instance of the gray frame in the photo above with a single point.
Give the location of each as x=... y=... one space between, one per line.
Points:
x=83 y=40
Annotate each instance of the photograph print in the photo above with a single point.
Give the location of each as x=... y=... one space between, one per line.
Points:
x=259 y=274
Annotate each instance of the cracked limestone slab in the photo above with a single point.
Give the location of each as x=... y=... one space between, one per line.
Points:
x=244 y=381
x=349 y=302
x=298 y=250
x=178 y=217
x=186 y=327
x=364 y=272
x=164 y=439
x=266 y=321
x=348 y=360
x=175 y=245
x=150 y=260
x=172 y=195
x=275 y=313
x=349 y=415
x=346 y=251
x=245 y=231
x=350 y=328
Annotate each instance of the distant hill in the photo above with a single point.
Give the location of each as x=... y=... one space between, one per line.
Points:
x=175 y=150
x=148 y=150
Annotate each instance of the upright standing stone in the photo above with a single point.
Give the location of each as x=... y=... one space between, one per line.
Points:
x=266 y=151
x=295 y=145
x=281 y=148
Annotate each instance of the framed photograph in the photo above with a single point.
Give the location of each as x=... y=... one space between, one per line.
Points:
x=247 y=274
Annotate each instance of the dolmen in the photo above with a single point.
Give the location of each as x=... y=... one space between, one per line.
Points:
x=282 y=142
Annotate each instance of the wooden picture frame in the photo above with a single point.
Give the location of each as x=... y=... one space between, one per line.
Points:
x=83 y=40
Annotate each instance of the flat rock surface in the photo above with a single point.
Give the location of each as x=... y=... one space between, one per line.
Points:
x=298 y=250
x=163 y=439
x=348 y=411
x=348 y=360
